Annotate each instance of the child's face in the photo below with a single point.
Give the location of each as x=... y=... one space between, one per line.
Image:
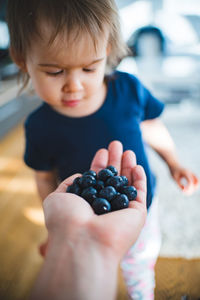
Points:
x=69 y=77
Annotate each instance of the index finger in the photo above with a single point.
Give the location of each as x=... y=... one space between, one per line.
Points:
x=100 y=160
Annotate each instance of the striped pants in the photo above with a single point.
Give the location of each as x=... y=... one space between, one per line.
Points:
x=138 y=264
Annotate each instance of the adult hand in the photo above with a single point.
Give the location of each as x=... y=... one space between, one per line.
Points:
x=82 y=245
x=68 y=214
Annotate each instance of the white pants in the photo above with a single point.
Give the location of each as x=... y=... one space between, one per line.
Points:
x=139 y=262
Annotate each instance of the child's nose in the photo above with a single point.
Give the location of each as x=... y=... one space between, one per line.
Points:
x=72 y=84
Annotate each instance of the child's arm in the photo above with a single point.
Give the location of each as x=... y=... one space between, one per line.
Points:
x=157 y=136
x=46 y=182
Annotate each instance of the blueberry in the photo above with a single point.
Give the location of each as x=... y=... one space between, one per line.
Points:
x=105 y=191
x=113 y=170
x=125 y=180
x=99 y=185
x=89 y=194
x=101 y=206
x=74 y=189
x=90 y=172
x=129 y=191
x=87 y=180
x=104 y=174
x=108 y=193
x=115 y=181
x=119 y=202
x=77 y=180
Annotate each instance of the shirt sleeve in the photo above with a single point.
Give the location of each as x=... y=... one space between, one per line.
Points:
x=36 y=157
x=147 y=106
x=151 y=107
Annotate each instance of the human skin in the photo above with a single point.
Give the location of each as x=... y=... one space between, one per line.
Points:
x=157 y=136
x=69 y=76
x=85 y=249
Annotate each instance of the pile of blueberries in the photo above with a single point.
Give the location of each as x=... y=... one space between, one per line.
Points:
x=105 y=191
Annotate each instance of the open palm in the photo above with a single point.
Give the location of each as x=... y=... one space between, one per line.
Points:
x=116 y=230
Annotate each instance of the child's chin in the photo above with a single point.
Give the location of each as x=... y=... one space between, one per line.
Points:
x=43 y=249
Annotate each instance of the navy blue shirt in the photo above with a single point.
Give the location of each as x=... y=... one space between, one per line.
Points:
x=68 y=144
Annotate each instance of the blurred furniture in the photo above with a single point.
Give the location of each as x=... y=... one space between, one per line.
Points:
x=170 y=78
x=147 y=41
x=13 y=107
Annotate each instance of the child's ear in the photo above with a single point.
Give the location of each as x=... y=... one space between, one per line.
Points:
x=21 y=64
x=18 y=61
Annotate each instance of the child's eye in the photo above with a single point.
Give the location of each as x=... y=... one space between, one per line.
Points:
x=88 y=70
x=54 y=73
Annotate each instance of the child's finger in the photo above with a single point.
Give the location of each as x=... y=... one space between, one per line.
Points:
x=43 y=248
x=195 y=180
x=188 y=183
x=128 y=162
x=115 y=149
x=100 y=160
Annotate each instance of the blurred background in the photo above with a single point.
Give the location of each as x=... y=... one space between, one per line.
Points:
x=164 y=41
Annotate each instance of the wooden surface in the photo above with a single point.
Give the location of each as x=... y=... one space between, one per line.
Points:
x=176 y=277
x=22 y=230
x=21 y=221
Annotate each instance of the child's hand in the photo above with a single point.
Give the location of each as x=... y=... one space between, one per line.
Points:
x=186 y=180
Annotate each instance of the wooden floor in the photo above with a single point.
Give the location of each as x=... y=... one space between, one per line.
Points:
x=21 y=221
x=22 y=230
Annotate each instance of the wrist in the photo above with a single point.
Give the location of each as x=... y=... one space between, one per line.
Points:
x=171 y=160
x=173 y=165
x=85 y=259
x=79 y=240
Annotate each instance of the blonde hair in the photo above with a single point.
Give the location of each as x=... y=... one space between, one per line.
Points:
x=64 y=16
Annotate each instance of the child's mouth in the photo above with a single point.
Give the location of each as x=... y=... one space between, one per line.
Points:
x=70 y=103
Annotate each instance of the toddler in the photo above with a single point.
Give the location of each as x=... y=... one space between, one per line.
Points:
x=69 y=49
